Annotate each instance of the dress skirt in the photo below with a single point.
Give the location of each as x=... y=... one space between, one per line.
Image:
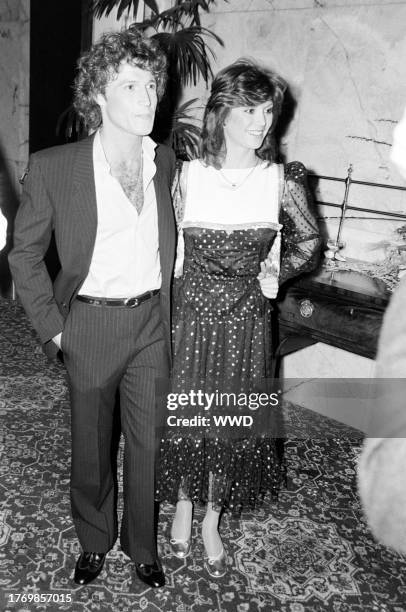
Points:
x=222 y=344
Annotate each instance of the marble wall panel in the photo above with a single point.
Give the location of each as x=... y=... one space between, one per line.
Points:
x=355 y=92
x=9 y=11
x=14 y=91
x=10 y=80
x=244 y=6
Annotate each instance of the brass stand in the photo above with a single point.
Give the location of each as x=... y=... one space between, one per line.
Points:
x=333 y=246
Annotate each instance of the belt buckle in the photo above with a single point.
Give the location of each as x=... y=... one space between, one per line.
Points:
x=131 y=302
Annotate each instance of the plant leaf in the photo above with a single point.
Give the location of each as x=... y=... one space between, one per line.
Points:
x=185 y=135
x=104 y=7
x=192 y=8
x=174 y=16
x=171 y=17
x=188 y=53
x=70 y=124
x=151 y=4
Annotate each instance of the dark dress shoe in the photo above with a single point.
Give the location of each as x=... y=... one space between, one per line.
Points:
x=88 y=567
x=151 y=574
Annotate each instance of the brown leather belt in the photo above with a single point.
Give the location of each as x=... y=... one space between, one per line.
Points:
x=126 y=302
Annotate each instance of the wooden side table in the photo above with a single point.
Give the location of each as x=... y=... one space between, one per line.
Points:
x=340 y=308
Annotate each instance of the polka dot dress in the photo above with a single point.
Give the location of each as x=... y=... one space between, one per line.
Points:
x=222 y=337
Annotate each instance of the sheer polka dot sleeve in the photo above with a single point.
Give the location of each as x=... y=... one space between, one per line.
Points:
x=301 y=240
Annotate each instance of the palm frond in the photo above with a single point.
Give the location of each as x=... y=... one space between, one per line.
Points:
x=174 y=17
x=70 y=125
x=192 y=8
x=188 y=53
x=169 y=18
x=185 y=141
x=185 y=136
x=104 y=7
x=182 y=112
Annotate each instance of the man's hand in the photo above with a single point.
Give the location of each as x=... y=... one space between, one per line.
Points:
x=268 y=280
x=57 y=340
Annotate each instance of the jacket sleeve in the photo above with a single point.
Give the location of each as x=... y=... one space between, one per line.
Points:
x=32 y=235
x=301 y=242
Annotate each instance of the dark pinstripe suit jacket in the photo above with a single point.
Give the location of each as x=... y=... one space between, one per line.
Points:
x=59 y=195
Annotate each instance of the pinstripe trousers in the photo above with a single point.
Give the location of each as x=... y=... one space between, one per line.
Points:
x=108 y=349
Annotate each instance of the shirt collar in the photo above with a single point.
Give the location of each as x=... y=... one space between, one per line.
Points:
x=148 y=150
x=149 y=146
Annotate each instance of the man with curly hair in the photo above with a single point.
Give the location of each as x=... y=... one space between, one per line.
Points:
x=107 y=200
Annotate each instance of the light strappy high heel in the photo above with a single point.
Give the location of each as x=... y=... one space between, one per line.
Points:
x=216 y=567
x=181 y=547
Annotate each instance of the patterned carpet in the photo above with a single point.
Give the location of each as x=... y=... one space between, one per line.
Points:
x=309 y=552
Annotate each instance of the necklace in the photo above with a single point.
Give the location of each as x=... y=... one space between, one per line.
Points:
x=236 y=185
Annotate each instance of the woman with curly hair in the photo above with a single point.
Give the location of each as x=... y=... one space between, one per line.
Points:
x=245 y=226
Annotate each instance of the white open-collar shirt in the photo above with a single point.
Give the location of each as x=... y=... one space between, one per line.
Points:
x=125 y=261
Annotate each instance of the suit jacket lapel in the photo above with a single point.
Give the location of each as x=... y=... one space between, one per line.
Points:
x=84 y=199
x=165 y=224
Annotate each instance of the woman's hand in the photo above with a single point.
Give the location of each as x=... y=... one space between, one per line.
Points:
x=268 y=280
